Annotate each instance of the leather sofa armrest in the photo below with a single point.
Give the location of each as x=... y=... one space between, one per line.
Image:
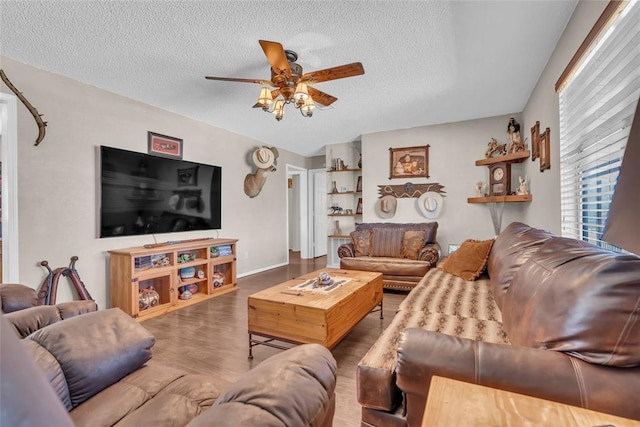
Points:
x=29 y=320
x=14 y=297
x=27 y=396
x=293 y=388
x=346 y=250
x=540 y=373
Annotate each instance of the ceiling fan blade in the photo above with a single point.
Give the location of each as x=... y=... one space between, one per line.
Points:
x=231 y=79
x=334 y=73
x=321 y=97
x=276 y=57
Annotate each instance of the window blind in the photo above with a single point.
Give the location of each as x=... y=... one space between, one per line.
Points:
x=597 y=107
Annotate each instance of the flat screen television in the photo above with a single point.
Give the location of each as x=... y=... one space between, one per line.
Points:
x=145 y=194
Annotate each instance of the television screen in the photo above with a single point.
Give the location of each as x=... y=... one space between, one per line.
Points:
x=144 y=194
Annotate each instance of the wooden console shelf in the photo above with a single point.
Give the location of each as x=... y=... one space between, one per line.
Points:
x=518 y=157
x=501 y=199
x=132 y=270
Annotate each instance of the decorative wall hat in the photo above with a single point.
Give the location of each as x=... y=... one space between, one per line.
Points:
x=264 y=157
x=386 y=207
x=430 y=204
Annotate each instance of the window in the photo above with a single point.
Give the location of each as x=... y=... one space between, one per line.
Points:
x=597 y=105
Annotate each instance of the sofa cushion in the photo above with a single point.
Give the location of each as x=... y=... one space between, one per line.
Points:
x=154 y=395
x=512 y=248
x=470 y=260
x=574 y=297
x=387 y=265
x=441 y=292
x=431 y=227
x=361 y=241
x=96 y=349
x=412 y=242
x=387 y=242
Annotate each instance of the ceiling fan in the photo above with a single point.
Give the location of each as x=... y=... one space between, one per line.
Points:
x=290 y=85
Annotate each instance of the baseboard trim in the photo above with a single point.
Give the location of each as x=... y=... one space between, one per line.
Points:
x=260 y=270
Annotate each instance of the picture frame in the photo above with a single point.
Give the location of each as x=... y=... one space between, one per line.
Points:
x=545 y=150
x=359 y=185
x=359 y=206
x=188 y=177
x=164 y=146
x=409 y=162
x=535 y=141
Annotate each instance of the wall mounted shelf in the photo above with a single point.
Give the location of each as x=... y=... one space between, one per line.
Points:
x=509 y=158
x=501 y=199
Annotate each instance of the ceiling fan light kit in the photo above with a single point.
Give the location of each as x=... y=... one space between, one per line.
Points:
x=291 y=85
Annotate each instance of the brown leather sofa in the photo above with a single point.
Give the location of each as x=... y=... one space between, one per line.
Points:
x=95 y=370
x=382 y=250
x=555 y=318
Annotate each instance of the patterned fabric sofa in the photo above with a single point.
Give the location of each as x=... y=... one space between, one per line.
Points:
x=554 y=318
x=403 y=253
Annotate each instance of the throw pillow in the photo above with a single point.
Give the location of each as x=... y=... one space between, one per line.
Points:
x=412 y=242
x=387 y=242
x=361 y=242
x=469 y=260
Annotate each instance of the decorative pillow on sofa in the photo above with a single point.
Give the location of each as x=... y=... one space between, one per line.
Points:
x=470 y=260
x=412 y=242
x=361 y=242
x=387 y=242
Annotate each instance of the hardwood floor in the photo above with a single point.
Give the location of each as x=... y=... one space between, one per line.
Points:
x=211 y=337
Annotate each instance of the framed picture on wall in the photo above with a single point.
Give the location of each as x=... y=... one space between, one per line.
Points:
x=164 y=146
x=409 y=162
x=545 y=150
x=535 y=141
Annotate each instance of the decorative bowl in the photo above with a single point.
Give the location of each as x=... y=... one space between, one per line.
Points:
x=187 y=272
x=324 y=279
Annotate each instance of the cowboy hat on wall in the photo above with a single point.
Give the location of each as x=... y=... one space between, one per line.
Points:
x=265 y=158
x=386 y=207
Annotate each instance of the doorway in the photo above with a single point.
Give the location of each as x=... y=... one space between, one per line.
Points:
x=297 y=211
x=9 y=191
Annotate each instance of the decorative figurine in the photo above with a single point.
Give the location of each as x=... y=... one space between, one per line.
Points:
x=480 y=186
x=494 y=147
x=515 y=143
x=522 y=189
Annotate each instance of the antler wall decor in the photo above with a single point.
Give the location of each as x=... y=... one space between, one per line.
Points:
x=37 y=116
x=409 y=190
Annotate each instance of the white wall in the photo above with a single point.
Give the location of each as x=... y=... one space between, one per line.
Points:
x=543 y=106
x=58 y=180
x=454 y=148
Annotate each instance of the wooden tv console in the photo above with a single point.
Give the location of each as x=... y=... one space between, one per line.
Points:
x=132 y=270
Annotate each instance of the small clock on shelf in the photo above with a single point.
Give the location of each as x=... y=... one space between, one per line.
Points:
x=500 y=179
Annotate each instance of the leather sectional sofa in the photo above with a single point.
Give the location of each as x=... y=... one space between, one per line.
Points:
x=94 y=369
x=385 y=248
x=555 y=318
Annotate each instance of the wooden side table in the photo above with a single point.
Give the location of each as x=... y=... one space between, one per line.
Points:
x=453 y=402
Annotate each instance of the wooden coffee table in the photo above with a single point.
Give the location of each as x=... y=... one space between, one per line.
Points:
x=288 y=315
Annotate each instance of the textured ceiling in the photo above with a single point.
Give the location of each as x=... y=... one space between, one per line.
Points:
x=425 y=62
